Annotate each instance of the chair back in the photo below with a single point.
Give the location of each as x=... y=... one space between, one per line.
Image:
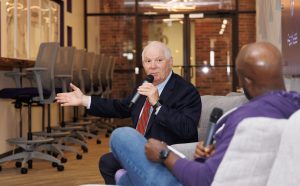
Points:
x=109 y=75
x=87 y=74
x=79 y=59
x=104 y=72
x=111 y=69
x=45 y=61
x=96 y=75
x=64 y=67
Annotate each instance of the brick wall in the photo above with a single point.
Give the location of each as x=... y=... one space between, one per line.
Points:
x=247 y=23
x=117 y=37
x=247 y=29
x=245 y=5
x=216 y=81
x=117 y=32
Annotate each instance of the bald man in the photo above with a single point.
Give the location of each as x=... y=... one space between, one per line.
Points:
x=174 y=106
x=259 y=67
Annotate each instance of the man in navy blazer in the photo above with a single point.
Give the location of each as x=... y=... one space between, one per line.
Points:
x=175 y=105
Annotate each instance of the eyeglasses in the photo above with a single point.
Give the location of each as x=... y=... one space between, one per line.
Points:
x=157 y=61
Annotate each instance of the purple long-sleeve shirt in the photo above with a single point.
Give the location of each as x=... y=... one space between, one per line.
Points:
x=277 y=104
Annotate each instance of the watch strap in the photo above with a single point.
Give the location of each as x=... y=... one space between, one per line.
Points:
x=156 y=105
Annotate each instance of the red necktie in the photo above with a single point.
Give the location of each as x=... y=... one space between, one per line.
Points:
x=142 y=124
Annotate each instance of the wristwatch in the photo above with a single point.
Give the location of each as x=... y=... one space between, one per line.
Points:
x=156 y=105
x=163 y=154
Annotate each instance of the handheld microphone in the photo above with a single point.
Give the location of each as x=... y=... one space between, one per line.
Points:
x=148 y=79
x=214 y=116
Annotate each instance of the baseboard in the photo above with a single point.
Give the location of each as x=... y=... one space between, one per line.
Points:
x=17 y=150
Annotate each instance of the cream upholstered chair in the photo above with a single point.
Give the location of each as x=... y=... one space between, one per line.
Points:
x=209 y=102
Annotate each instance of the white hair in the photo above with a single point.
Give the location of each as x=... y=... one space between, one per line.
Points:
x=163 y=46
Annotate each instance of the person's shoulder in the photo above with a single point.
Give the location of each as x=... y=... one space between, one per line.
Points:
x=181 y=82
x=279 y=96
x=277 y=104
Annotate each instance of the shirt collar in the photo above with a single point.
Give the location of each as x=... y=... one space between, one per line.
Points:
x=160 y=87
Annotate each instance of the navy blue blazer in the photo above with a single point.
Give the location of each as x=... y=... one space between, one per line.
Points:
x=176 y=121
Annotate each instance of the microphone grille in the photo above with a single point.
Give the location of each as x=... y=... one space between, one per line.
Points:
x=216 y=114
x=150 y=78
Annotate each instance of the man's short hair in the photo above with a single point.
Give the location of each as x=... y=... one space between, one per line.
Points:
x=167 y=51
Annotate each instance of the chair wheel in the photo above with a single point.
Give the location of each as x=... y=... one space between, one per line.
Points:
x=55 y=154
x=60 y=168
x=24 y=170
x=54 y=164
x=18 y=164
x=84 y=149
x=64 y=160
x=0 y=168
x=29 y=164
x=107 y=135
x=98 y=141
x=78 y=156
x=89 y=137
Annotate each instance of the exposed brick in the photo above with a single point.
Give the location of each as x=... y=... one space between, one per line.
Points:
x=116 y=32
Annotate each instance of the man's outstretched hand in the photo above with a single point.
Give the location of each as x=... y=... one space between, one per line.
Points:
x=74 y=98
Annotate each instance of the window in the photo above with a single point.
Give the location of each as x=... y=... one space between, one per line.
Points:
x=26 y=24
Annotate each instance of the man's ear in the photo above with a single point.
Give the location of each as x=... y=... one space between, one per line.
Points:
x=248 y=81
x=171 y=62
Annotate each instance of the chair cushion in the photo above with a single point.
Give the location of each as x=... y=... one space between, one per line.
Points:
x=286 y=168
x=209 y=102
x=251 y=153
x=14 y=93
x=187 y=149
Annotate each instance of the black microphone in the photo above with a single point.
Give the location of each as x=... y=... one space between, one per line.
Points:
x=214 y=116
x=148 y=79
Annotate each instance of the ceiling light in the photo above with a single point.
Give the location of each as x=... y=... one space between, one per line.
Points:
x=199 y=15
x=176 y=16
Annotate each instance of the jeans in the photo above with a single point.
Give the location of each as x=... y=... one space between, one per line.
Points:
x=127 y=146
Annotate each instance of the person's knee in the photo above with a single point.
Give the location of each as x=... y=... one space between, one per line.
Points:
x=120 y=135
x=104 y=162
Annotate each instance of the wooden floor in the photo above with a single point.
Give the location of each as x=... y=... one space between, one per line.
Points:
x=76 y=172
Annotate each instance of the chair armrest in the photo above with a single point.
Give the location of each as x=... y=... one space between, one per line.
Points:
x=188 y=149
x=63 y=76
x=64 y=80
x=36 y=69
x=16 y=76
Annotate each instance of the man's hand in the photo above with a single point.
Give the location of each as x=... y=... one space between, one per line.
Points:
x=153 y=148
x=149 y=90
x=201 y=151
x=74 y=98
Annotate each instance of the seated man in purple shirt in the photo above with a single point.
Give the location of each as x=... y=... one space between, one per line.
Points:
x=259 y=67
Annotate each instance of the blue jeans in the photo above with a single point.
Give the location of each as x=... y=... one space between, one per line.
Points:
x=127 y=146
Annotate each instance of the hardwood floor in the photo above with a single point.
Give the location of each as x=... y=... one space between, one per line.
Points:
x=76 y=172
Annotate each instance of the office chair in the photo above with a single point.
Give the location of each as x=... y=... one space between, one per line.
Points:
x=63 y=76
x=77 y=136
x=88 y=80
x=42 y=93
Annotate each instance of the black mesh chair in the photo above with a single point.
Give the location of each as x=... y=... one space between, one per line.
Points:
x=41 y=93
